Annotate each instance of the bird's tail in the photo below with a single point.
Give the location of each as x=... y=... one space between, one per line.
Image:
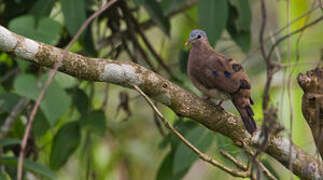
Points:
x=247 y=114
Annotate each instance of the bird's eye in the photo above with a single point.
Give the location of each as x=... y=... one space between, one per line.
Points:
x=199 y=36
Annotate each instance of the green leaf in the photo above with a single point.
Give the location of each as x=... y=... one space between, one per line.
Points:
x=88 y=43
x=22 y=64
x=183 y=127
x=165 y=170
x=213 y=17
x=65 y=143
x=74 y=14
x=224 y=143
x=30 y=166
x=244 y=14
x=45 y=30
x=8 y=101
x=155 y=11
x=171 y=5
x=55 y=102
x=183 y=60
x=3 y=174
x=238 y=24
x=270 y=166
x=2 y=90
x=42 y=7
x=95 y=121
x=40 y=124
x=9 y=141
x=184 y=158
x=80 y=100
x=65 y=81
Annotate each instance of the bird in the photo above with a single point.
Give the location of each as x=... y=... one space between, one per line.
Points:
x=219 y=77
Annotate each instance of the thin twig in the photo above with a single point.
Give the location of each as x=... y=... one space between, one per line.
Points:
x=269 y=65
x=253 y=52
x=132 y=35
x=231 y=158
x=146 y=25
x=269 y=68
x=293 y=33
x=289 y=85
x=126 y=48
x=158 y=125
x=289 y=93
x=202 y=156
x=48 y=82
x=106 y=96
x=18 y=108
x=260 y=164
x=9 y=74
x=262 y=31
x=296 y=19
x=147 y=43
x=266 y=171
x=273 y=40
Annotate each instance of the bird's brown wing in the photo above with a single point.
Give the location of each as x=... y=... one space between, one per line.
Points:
x=221 y=73
x=228 y=76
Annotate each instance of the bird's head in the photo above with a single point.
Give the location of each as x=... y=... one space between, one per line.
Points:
x=195 y=36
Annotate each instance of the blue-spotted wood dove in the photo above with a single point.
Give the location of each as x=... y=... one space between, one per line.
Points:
x=220 y=77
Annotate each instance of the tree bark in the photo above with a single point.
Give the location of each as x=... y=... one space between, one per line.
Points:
x=180 y=101
x=312 y=103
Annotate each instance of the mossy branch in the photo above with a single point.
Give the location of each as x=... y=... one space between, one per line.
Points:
x=155 y=86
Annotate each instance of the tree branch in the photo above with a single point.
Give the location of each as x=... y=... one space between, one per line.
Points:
x=201 y=155
x=180 y=101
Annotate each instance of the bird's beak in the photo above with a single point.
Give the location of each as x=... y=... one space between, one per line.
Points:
x=187 y=42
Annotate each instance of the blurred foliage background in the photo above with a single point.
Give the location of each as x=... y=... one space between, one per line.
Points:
x=87 y=130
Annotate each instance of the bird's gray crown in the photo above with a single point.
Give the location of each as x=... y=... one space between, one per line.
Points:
x=197 y=34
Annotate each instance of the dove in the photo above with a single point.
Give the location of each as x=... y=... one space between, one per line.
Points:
x=220 y=77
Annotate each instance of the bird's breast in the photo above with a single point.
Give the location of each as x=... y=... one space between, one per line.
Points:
x=213 y=93
x=196 y=68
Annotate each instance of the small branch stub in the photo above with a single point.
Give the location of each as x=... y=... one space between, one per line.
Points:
x=312 y=103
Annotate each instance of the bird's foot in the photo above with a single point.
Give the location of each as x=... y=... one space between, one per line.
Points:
x=220 y=105
x=207 y=98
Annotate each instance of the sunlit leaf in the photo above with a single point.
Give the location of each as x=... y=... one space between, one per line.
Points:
x=30 y=166
x=65 y=143
x=45 y=30
x=213 y=17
